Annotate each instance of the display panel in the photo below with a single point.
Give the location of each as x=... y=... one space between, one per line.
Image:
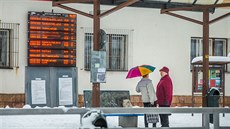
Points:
x=51 y=39
x=52 y=44
x=52 y=62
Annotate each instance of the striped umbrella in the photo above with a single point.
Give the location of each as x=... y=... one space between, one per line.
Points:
x=140 y=71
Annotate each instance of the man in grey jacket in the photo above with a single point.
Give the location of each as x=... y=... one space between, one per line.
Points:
x=148 y=94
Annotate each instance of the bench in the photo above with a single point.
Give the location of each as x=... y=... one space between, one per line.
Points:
x=126 y=120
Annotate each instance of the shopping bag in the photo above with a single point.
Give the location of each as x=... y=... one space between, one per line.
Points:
x=152 y=118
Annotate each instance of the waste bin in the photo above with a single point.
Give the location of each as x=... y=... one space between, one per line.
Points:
x=213 y=100
x=100 y=121
x=94 y=117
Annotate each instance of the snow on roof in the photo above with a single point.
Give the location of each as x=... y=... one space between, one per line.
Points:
x=219 y=60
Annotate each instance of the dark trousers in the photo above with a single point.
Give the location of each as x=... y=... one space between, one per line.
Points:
x=164 y=118
x=145 y=118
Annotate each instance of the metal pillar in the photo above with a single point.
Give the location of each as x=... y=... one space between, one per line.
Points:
x=205 y=56
x=223 y=84
x=193 y=84
x=96 y=40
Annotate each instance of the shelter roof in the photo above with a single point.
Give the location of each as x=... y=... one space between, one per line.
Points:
x=153 y=3
x=161 y=4
x=166 y=3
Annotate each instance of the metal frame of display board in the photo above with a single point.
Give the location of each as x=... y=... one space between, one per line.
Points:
x=196 y=69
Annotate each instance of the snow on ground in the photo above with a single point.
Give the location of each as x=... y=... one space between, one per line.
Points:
x=177 y=120
x=40 y=122
x=73 y=121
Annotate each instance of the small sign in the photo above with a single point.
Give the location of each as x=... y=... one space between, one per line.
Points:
x=101 y=70
x=97 y=65
x=65 y=76
x=100 y=77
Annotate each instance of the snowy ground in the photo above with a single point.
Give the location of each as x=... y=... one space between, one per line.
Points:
x=73 y=121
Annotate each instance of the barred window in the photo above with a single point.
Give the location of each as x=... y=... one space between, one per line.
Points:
x=8 y=45
x=116 y=51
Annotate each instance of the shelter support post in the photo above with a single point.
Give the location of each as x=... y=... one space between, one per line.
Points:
x=223 y=84
x=205 y=56
x=96 y=40
x=193 y=84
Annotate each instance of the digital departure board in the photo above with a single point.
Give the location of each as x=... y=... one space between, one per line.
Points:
x=51 y=39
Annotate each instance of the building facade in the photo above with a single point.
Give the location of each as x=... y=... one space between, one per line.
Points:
x=135 y=36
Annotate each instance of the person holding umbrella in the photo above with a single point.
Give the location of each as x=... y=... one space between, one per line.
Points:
x=148 y=96
x=145 y=87
x=164 y=94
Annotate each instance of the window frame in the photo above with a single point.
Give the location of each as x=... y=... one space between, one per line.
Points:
x=13 y=41
x=108 y=51
x=212 y=49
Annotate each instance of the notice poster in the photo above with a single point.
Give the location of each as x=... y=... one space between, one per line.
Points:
x=38 y=91
x=65 y=91
x=218 y=74
x=218 y=84
x=101 y=77
x=212 y=83
x=213 y=74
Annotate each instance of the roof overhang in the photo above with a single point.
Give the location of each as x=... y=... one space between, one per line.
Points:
x=161 y=4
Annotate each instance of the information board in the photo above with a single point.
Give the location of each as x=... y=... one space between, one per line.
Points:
x=108 y=98
x=51 y=39
x=98 y=67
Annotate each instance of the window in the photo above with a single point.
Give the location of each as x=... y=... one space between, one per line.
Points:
x=196 y=48
x=116 y=51
x=8 y=45
x=220 y=47
x=4 y=48
x=217 y=47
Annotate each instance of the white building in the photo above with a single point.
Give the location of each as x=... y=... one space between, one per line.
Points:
x=152 y=38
